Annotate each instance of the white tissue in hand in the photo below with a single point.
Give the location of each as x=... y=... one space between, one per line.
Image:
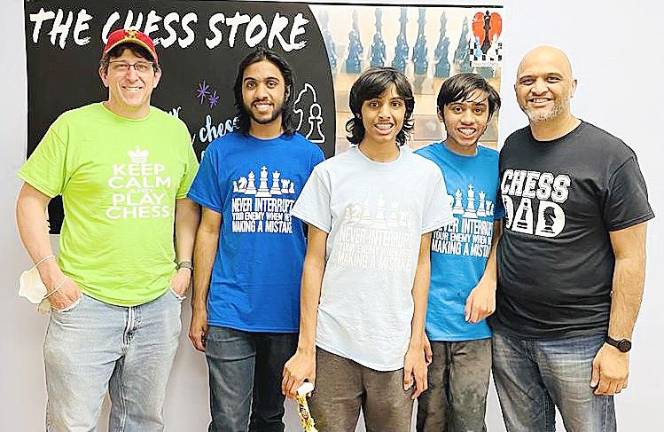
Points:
x=31 y=286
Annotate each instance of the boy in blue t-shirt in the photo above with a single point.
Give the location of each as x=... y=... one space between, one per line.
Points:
x=249 y=251
x=463 y=267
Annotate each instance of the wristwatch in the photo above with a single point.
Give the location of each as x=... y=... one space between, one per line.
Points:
x=185 y=264
x=623 y=345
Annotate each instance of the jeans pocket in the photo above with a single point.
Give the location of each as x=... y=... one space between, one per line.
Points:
x=176 y=295
x=69 y=308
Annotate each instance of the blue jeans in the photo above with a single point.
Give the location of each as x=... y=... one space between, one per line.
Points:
x=245 y=372
x=96 y=344
x=534 y=376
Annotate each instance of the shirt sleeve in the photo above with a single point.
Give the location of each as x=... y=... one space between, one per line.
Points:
x=46 y=168
x=437 y=207
x=498 y=207
x=313 y=204
x=191 y=168
x=626 y=202
x=205 y=189
x=316 y=157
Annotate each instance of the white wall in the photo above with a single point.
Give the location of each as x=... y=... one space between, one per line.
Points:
x=615 y=48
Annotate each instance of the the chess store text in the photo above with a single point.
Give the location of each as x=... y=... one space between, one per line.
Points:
x=271 y=215
x=175 y=27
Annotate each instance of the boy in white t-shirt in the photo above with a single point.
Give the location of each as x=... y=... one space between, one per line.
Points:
x=370 y=212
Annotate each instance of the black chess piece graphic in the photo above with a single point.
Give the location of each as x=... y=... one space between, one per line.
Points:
x=549 y=220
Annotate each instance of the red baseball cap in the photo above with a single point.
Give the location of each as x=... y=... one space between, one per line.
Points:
x=123 y=36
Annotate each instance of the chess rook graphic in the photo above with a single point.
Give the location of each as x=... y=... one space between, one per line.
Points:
x=427 y=44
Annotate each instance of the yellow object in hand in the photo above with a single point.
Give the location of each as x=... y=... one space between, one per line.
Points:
x=303 y=407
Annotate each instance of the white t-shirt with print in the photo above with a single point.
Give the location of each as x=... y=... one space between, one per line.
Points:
x=375 y=214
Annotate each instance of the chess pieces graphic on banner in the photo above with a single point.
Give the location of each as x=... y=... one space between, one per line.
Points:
x=355 y=48
x=401 y=49
x=328 y=39
x=378 y=53
x=462 y=53
x=307 y=102
x=442 y=50
x=420 y=52
x=486 y=48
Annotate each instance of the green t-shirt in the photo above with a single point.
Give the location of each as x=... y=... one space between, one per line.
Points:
x=119 y=179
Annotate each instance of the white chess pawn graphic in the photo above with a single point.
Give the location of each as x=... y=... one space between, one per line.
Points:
x=275 y=190
x=284 y=185
x=523 y=218
x=292 y=188
x=263 y=191
x=315 y=135
x=251 y=187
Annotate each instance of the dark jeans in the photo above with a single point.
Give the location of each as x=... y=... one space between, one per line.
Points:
x=533 y=376
x=245 y=376
x=458 y=381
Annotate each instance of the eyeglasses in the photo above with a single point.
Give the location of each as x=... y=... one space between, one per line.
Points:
x=120 y=66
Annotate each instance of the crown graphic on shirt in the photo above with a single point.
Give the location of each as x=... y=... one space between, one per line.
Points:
x=138 y=156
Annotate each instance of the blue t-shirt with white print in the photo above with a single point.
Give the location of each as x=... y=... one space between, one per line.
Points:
x=459 y=251
x=253 y=183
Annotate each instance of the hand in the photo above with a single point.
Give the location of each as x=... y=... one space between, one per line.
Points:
x=428 y=352
x=65 y=296
x=610 y=371
x=180 y=281
x=198 y=327
x=300 y=367
x=481 y=302
x=415 y=368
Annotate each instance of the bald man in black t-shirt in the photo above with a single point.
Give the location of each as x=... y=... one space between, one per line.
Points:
x=571 y=259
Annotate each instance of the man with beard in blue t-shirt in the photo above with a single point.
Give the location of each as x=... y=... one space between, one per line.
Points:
x=249 y=252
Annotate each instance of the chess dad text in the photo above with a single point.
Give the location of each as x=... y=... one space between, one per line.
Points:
x=181 y=28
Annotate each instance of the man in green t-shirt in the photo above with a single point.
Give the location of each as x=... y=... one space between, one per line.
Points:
x=123 y=169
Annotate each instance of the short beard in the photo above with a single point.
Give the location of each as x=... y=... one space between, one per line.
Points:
x=558 y=108
x=276 y=112
x=536 y=116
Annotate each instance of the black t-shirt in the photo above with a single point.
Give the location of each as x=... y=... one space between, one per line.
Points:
x=555 y=260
